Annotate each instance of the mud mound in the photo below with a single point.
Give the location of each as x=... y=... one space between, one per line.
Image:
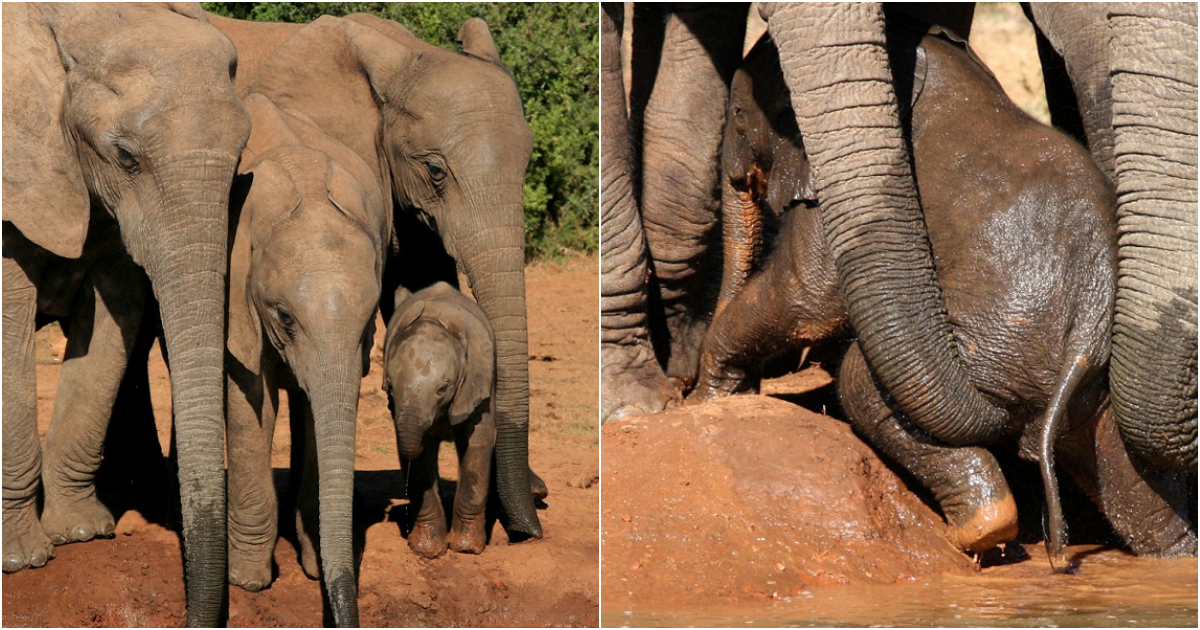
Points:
x=754 y=498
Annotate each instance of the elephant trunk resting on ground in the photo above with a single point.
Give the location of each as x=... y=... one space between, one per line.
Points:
x=1022 y=225
x=310 y=228
x=128 y=111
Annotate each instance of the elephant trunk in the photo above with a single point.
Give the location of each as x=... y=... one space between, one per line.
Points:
x=836 y=66
x=334 y=398
x=410 y=432
x=1153 y=367
x=186 y=262
x=742 y=228
x=491 y=251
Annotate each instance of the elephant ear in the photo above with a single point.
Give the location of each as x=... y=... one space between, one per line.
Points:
x=44 y=192
x=475 y=330
x=390 y=28
x=406 y=313
x=269 y=128
x=272 y=196
x=476 y=40
x=245 y=329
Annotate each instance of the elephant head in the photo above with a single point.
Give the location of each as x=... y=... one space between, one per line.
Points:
x=305 y=274
x=439 y=362
x=447 y=137
x=131 y=109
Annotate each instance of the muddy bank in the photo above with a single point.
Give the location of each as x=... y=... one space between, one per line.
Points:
x=136 y=579
x=753 y=498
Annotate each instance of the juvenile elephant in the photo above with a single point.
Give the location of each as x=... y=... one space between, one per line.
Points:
x=1021 y=224
x=440 y=376
x=445 y=134
x=310 y=227
x=118 y=120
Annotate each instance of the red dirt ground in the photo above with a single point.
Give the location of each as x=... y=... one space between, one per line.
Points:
x=136 y=579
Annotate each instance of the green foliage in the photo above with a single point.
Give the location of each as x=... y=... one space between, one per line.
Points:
x=552 y=50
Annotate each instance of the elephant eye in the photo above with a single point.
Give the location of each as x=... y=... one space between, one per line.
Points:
x=437 y=170
x=441 y=391
x=126 y=160
x=286 y=319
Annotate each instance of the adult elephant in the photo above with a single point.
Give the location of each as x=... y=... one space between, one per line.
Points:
x=128 y=113
x=446 y=135
x=1133 y=70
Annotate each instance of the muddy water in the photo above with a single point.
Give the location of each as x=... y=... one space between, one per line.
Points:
x=1111 y=589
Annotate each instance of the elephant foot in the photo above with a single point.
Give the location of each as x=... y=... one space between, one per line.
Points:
x=717 y=381
x=427 y=540
x=309 y=560
x=25 y=542
x=989 y=526
x=249 y=574
x=467 y=536
x=76 y=520
x=627 y=394
x=537 y=487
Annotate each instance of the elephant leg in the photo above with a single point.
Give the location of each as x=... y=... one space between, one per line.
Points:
x=253 y=507
x=966 y=482
x=1147 y=508
x=306 y=481
x=428 y=535
x=682 y=128
x=25 y=543
x=634 y=382
x=105 y=321
x=791 y=302
x=468 y=532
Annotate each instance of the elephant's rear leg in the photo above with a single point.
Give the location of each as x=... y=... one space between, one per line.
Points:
x=105 y=321
x=966 y=481
x=25 y=543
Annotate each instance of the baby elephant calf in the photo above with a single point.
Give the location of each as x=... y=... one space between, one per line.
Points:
x=439 y=374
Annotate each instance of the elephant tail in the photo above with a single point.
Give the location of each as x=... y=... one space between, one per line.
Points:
x=1070 y=378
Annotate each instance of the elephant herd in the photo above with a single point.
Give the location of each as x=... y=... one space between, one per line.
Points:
x=860 y=175
x=277 y=183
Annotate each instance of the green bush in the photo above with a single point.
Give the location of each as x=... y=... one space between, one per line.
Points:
x=552 y=50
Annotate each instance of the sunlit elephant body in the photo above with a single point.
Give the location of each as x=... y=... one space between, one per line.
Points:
x=439 y=375
x=310 y=231
x=445 y=134
x=1022 y=225
x=129 y=111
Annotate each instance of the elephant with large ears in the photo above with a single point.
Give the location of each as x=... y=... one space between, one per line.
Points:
x=129 y=110
x=1133 y=72
x=446 y=136
x=310 y=230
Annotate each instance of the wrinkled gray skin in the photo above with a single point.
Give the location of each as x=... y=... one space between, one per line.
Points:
x=447 y=138
x=1133 y=68
x=439 y=375
x=127 y=111
x=310 y=230
x=634 y=381
x=836 y=68
x=1036 y=339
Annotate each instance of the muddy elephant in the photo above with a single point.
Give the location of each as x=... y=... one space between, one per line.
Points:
x=840 y=83
x=129 y=112
x=310 y=229
x=446 y=136
x=1127 y=83
x=1023 y=227
x=439 y=374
